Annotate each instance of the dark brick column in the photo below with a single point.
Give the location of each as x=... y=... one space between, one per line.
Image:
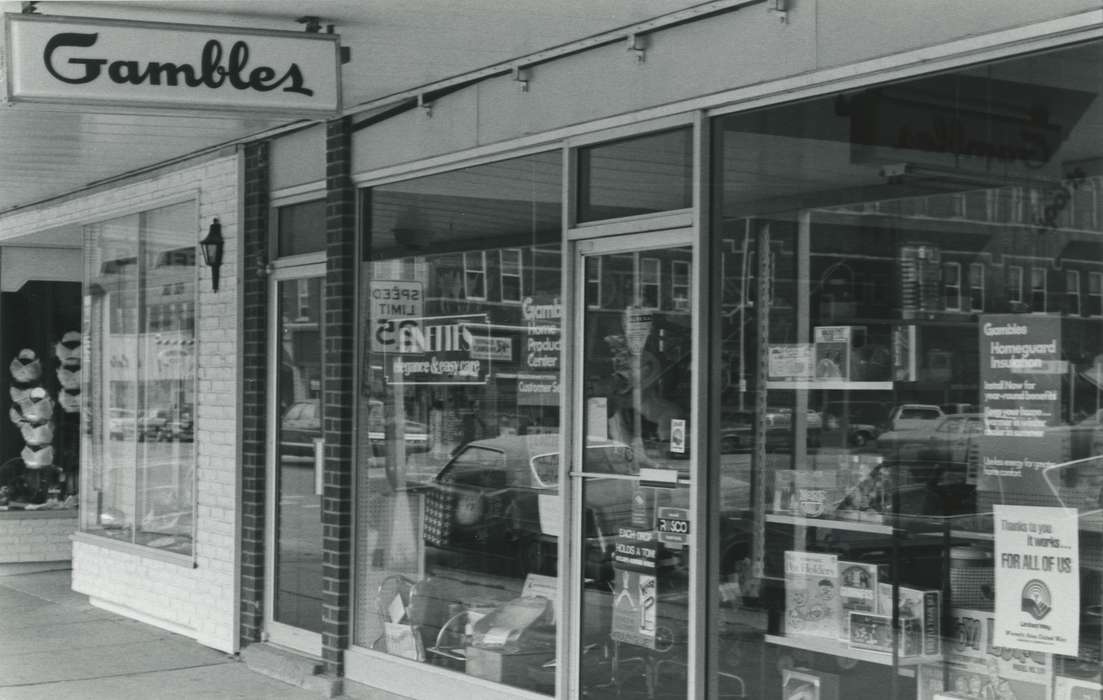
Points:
x=254 y=399
x=338 y=394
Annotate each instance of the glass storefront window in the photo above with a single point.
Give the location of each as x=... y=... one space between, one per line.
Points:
x=140 y=381
x=458 y=421
x=301 y=228
x=640 y=175
x=912 y=384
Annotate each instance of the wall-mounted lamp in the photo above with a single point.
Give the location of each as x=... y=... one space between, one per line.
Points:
x=212 y=247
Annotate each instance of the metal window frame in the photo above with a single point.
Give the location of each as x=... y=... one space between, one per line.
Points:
x=977 y=282
x=519 y=275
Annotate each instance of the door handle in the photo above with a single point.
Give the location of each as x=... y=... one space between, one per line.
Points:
x=319 y=465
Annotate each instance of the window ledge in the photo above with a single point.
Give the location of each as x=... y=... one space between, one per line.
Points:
x=59 y=514
x=182 y=560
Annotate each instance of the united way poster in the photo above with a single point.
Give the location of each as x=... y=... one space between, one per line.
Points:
x=1037 y=579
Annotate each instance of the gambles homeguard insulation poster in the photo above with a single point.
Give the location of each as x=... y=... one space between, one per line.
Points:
x=1020 y=373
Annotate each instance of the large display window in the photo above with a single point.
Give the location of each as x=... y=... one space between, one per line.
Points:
x=458 y=421
x=910 y=370
x=140 y=379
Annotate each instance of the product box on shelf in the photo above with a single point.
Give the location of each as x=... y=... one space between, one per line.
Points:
x=975 y=666
x=915 y=604
x=500 y=667
x=857 y=592
x=873 y=632
x=1076 y=689
x=808 y=494
x=812 y=605
x=807 y=684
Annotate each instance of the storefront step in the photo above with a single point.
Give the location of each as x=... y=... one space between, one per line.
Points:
x=291 y=667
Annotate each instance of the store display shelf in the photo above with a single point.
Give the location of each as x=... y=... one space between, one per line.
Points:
x=854 y=525
x=833 y=647
x=829 y=384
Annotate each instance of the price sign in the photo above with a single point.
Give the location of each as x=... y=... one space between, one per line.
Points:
x=637 y=326
x=672 y=524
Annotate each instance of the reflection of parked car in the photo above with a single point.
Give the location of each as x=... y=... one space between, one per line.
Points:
x=954 y=440
x=864 y=420
x=941 y=454
x=914 y=416
x=180 y=426
x=483 y=510
x=737 y=429
x=152 y=424
x=121 y=424
x=301 y=423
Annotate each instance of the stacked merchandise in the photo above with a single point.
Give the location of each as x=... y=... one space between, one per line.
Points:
x=976 y=668
x=848 y=601
x=33 y=411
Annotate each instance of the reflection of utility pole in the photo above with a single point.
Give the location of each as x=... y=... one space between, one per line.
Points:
x=743 y=287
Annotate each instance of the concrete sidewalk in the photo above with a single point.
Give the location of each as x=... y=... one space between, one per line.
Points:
x=53 y=644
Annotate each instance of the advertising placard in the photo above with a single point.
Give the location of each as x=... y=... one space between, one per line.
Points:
x=1037 y=579
x=441 y=350
x=790 y=361
x=672 y=524
x=636 y=595
x=542 y=318
x=637 y=327
x=1020 y=397
x=832 y=352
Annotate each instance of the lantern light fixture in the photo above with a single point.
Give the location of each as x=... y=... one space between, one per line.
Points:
x=212 y=247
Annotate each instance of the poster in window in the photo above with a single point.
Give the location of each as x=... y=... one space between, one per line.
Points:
x=1037 y=579
x=1021 y=375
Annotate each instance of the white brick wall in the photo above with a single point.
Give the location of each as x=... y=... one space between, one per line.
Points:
x=36 y=536
x=200 y=601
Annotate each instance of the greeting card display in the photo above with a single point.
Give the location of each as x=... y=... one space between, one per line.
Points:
x=812 y=605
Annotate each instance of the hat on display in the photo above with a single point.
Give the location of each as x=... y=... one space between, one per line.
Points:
x=19 y=393
x=68 y=347
x=36 y=435
x=69 y=400
x=37 y=407
x=71 y=363
x=68 y=378
x=26 y=367
x=36 y=458
x=15 y=414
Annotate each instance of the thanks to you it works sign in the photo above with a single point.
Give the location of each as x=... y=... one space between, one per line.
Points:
x=88 y=62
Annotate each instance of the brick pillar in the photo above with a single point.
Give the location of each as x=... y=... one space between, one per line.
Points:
x=254 y=398
x=338 y=394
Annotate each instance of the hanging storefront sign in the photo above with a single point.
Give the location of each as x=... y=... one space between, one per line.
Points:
x=142 y=65
x=1037 y=579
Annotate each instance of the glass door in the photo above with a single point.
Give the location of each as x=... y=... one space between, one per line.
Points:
x=635 y=489
x=294 y=595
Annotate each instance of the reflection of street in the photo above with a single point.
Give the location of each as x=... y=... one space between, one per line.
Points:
x=299 y=548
